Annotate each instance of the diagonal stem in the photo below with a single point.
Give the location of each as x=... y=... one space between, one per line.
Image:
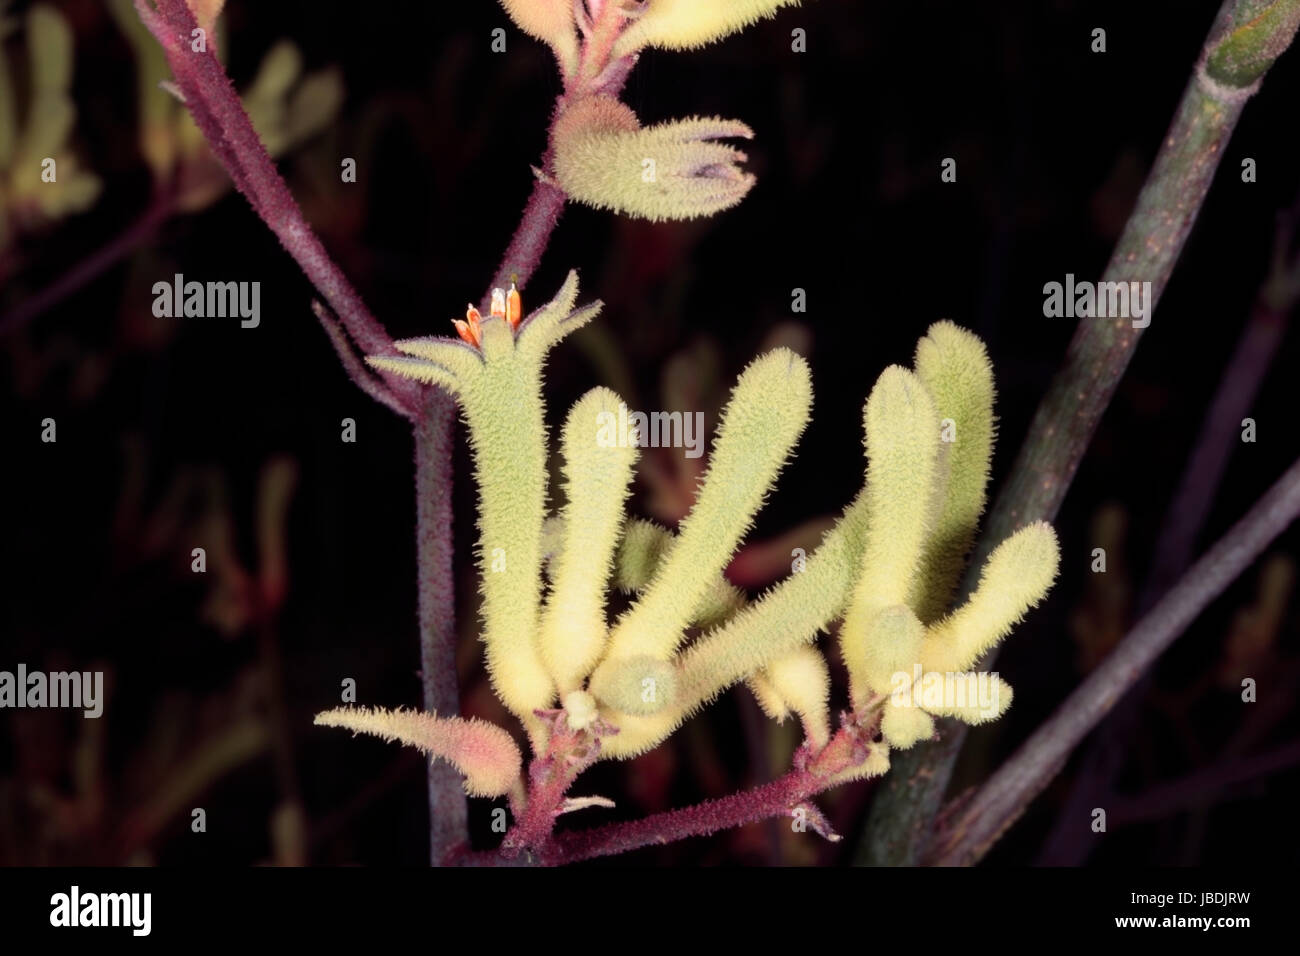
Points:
x=139 y=231
x=1003 y=798
x=902 y=814
x=1183 y=522
x=812 y=774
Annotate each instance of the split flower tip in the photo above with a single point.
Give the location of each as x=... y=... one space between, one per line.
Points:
x=484 y=754
x=676 y=170
x=454 y=363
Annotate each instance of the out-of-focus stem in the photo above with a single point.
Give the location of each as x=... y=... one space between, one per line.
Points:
x=978 y=824
x=216 y=108
x=139 y=231
x=1183 y=523
x=903 y=812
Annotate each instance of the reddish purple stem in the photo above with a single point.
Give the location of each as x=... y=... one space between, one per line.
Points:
x=749 y=806
x=216 y=108
x=541 y=214
x=215 y=105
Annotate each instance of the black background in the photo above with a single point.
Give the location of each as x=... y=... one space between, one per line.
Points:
x=1052 y=142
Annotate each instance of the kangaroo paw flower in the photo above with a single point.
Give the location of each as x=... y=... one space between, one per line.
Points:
x=495 y=371
x=550 y=21
x=485 y=755
x=675 y=170
x=685 y=24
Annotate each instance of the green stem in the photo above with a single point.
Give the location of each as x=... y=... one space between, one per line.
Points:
x=978 y=824
x=902 y=814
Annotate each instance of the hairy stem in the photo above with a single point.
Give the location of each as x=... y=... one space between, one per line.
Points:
x=978 y=824
x=902 y=814
x=812 y=774
x=541 y=214
x=749 y=806
x=434 y=427
x=216 y=108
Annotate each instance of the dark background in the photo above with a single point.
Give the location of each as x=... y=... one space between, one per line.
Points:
x=1052 y=143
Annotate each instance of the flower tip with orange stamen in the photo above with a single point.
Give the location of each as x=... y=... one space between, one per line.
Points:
x=514 y=307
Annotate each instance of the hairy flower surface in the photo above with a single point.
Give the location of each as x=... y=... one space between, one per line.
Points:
x=685 y=24
x=675 y=170
x=550 y=21
x=485 y=755
x=887 y=568
x=497 y=379
x=929 y=436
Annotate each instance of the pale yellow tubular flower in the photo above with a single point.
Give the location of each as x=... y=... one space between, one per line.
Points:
x=641 y=549
x=768 y=411
x=891 y=646
x=635 y=685
x=954 y=366
x=580 y=709
x=484 y=754
x=902 y=439
x=978 y=699
x=803 y=681
x=597 y=477
x=770 y=702
x=1017 y=575
x=499 y=386
x=550 y=21
x=686 y=24
x=675 y=170
x=788 y=616
x=640 y=552
x=905 y=726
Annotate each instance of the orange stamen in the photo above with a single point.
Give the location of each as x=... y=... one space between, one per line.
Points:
x=499 y=303
x=514 y=307
x=463 y=330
